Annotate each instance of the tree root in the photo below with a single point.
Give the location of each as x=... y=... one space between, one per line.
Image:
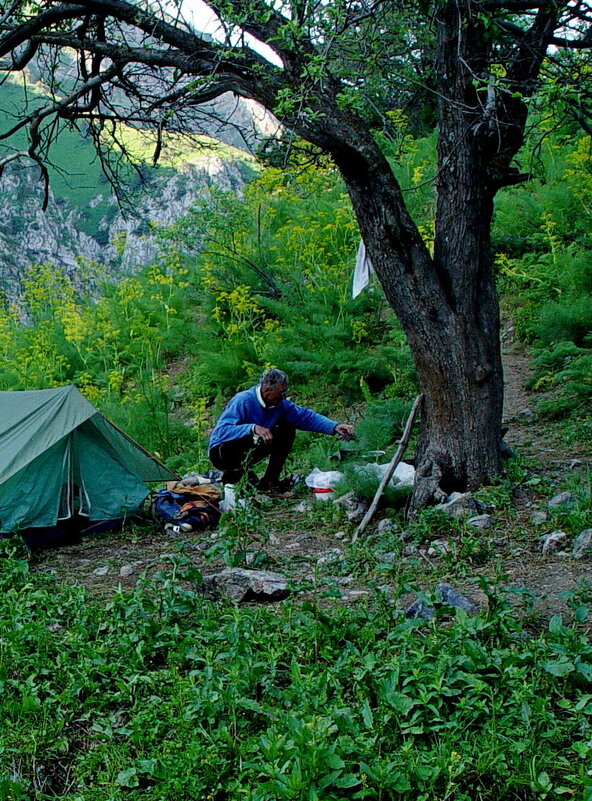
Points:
x=427 y=490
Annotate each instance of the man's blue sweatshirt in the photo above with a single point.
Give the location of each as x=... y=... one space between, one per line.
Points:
x=244 y=410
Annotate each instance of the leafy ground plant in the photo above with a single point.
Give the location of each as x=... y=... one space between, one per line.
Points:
x=159 y=694
x=241 y=537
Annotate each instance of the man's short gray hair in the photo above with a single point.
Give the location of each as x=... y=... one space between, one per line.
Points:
x=273 y=378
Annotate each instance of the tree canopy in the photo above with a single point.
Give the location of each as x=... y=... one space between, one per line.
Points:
x=337 y=68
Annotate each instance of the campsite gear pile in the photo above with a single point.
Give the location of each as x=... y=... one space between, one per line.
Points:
x=191 y=504
x=65 y=468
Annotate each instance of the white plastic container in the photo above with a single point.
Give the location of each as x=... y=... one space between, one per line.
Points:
x=228 y=502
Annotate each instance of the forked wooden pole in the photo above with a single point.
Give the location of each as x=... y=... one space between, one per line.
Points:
x=390 y=469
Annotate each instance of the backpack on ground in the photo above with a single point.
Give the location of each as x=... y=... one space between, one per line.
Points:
x=188 y=506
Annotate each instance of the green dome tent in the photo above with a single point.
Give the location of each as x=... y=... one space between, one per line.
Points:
x=61 y=458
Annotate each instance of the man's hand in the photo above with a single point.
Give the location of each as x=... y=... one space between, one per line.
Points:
x=264 y=433
x=344 y=431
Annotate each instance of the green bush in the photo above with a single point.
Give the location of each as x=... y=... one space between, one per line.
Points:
x=382 y=423
x=566 y=322
x=545 y=270
x=270 y=276
x=565 y=369
x=362 y=479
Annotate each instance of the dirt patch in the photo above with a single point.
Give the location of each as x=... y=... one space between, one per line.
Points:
x=517 y=372
x=534 y=439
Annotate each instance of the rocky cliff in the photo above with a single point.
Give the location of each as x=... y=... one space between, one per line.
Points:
x=88 y=224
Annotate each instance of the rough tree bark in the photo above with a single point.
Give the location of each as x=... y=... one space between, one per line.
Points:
x=448 y=308
x=446 y=302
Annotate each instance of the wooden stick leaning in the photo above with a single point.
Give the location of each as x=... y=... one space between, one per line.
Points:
x=390 y=469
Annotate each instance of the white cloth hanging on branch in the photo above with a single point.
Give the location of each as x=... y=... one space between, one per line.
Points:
x=362 y=271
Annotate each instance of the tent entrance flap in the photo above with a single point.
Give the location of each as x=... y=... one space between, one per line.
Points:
x=112 y=491
x=65 y=509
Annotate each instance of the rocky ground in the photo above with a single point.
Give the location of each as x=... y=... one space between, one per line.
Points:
x=308 y=541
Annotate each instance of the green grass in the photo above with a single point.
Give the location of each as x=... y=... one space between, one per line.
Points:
x=76 y=180
x=158 y=695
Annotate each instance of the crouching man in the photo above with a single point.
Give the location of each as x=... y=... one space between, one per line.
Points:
x=261 y=423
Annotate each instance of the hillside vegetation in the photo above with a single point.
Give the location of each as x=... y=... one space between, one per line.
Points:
x=82 y=185
x=242 y=283
x=85 y=221
x=150 y=692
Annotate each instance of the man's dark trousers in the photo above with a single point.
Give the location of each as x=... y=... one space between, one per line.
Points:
x=236 y=456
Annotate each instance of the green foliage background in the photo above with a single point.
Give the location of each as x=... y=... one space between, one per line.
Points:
x=244 y=283
x=241 y=284
x=544 y=242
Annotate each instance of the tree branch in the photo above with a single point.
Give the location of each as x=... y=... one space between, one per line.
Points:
x=36 y=117
x=516 y=6
x=25 y=31
x=585 y=43
x=257 y=18
x=388 y=474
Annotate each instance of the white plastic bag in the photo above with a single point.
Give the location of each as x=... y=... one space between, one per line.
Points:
x=323 y=482
x=404 y=474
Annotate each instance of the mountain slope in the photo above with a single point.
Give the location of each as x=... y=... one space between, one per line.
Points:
x=83 y=219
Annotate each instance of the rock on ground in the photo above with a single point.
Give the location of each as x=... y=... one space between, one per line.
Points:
x=330 y=558
x=450 y=597
x=552 y=541
x=240 y=584
x=480 y=521
x=562 y=501
x=582 y=544
x=385 y=525
x=461 y=504
x=539 y=517
x=439 y=548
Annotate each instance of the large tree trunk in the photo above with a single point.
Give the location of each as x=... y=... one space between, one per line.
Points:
x=448 y=308
x=462 y=379
x=452 y=327
x=447 y=302
x=460 y=376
